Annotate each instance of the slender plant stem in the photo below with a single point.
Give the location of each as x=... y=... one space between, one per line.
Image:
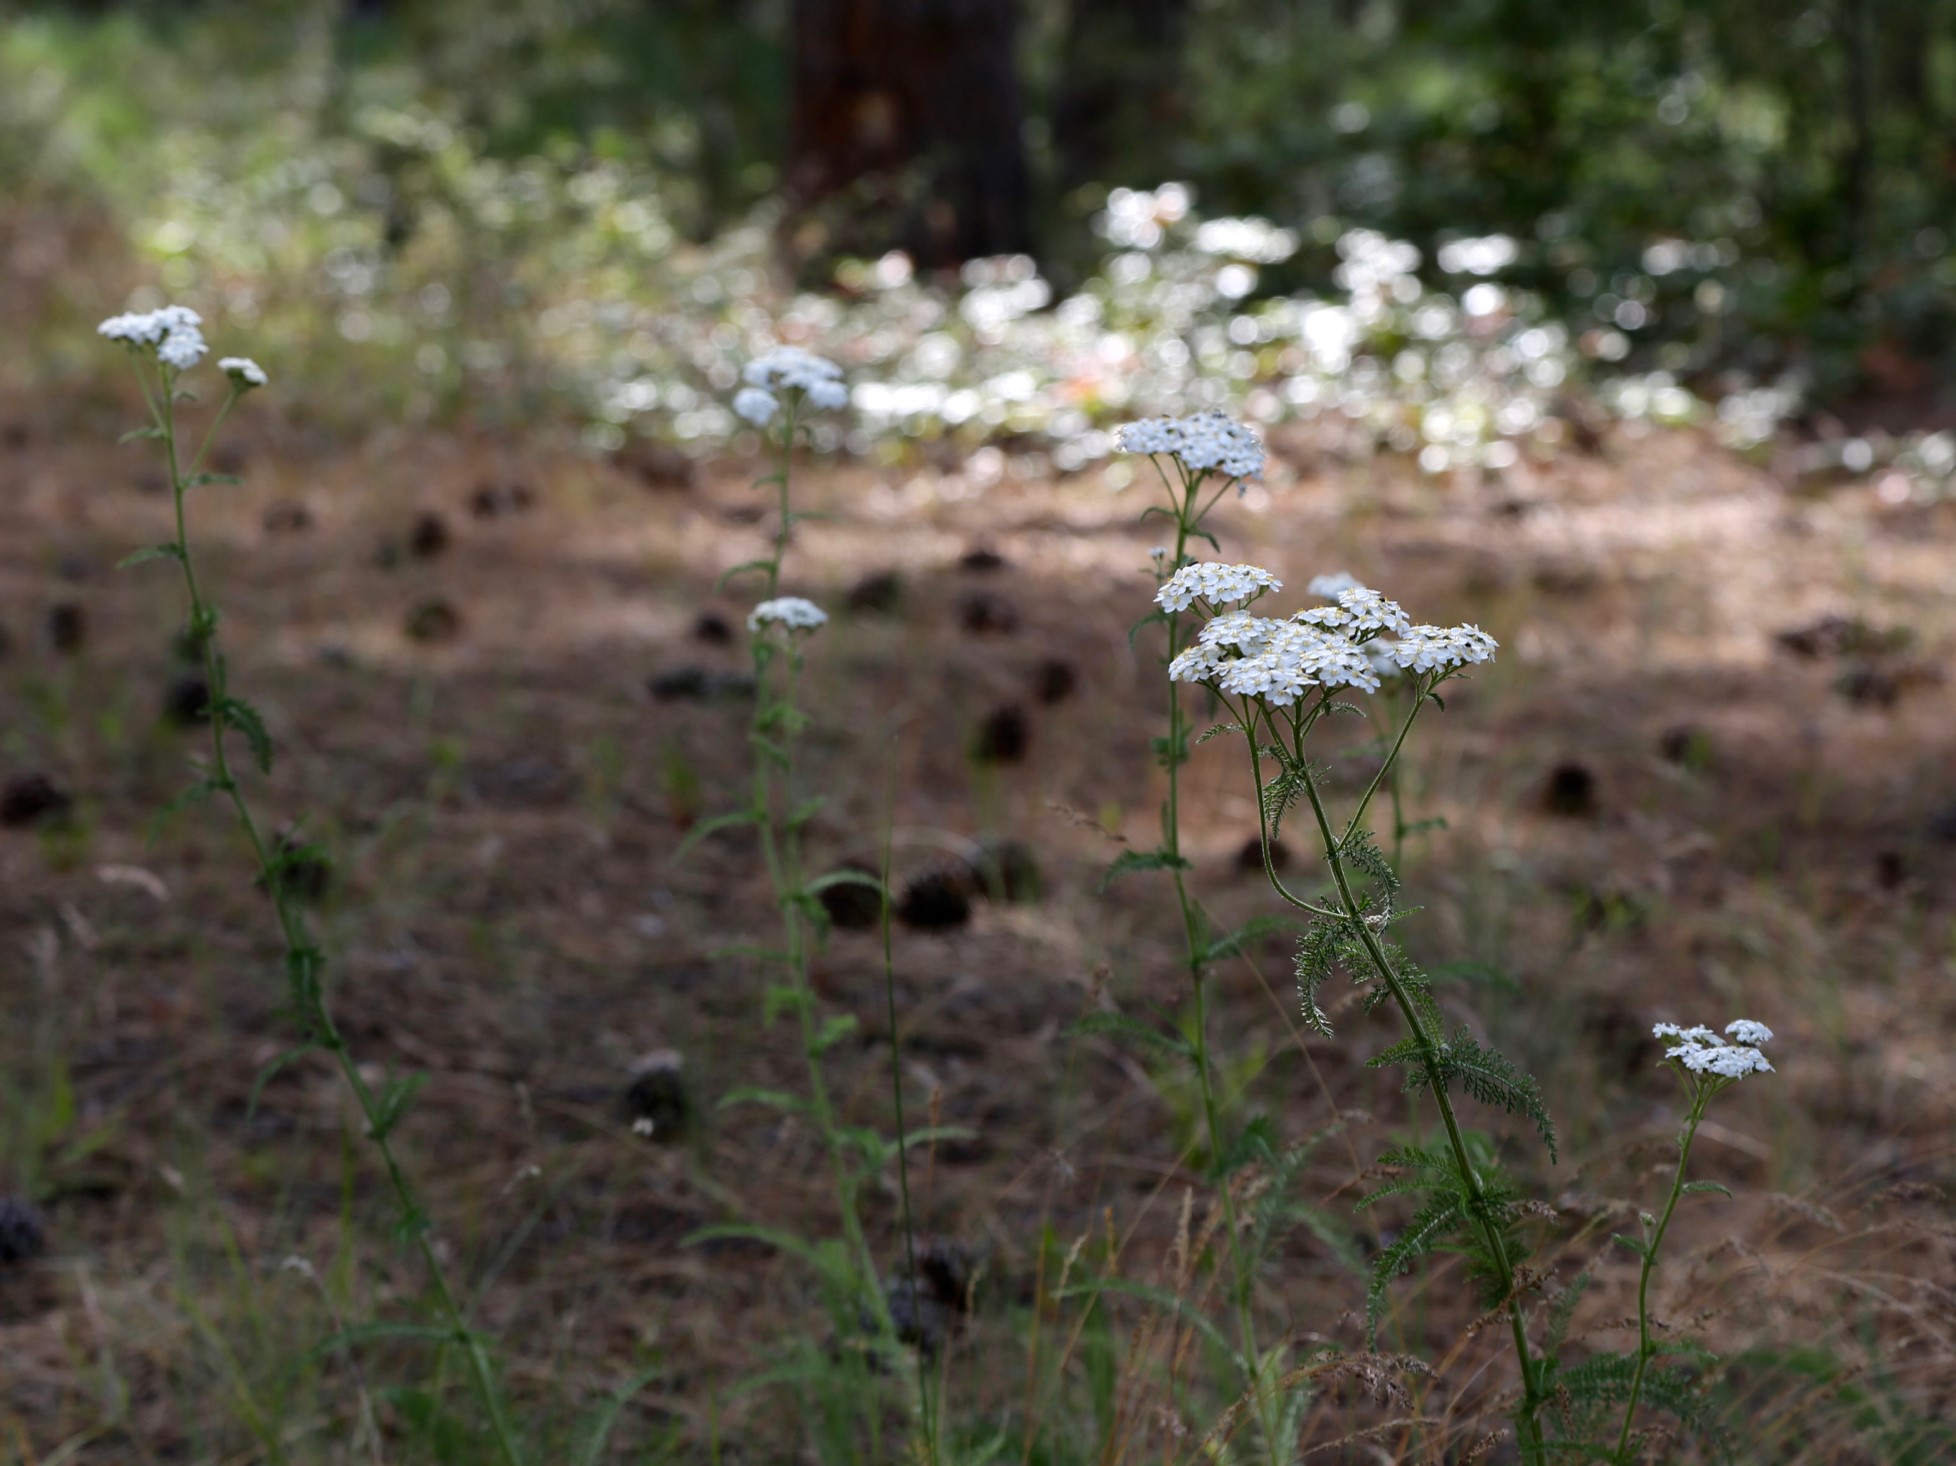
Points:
x=1527 y=1427
x=302 y=957
x=775 y=731
x=924 y=1381
x=1645 y=1346
x=785 y=518
x=1188 y=519
x=1389 y=769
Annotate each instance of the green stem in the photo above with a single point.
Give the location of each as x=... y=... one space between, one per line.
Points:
x=1654 y=1241
x=785 y=520
x=1527 y=1428
x=1390 y=767
x=1187 y=520
x=301 y=954
x=781 y=853
x=896 y=1094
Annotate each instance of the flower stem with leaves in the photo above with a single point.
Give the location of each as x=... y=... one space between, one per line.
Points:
x=1202 y=451
x=163 y=345
x=780 y=387
x=1708 y=1065
x=1280 y=678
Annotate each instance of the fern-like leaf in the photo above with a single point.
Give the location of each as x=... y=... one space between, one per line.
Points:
x=1317 y=955
x=1361 y=853
x=1441 y=1216
x=1129 y=861
x=1493 y=1079
x=1279 y=795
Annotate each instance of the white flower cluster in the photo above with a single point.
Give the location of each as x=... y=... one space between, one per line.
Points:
x=788 y=369
x=243 y=372
x=790 y=612
x=1219 y=585
x=1207 y=441
x=1443 y=648
x=173 y=332
x=1357 y=611
x=1704 y=1052
x=1345 y=644
x=756 y=405
x=1277 y=661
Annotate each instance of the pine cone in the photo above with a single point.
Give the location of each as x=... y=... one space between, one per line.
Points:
x=22 y=1234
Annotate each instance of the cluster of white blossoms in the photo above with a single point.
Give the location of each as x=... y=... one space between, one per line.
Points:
x=1359 y=609
x=1219 y=585
x=173 y=332
x=1208 y=441
x=789 y=612
x=787 y=369
x=1443 y=648
x=1277 y=661
x=1348 y=643
x=243 y=372
x=1704 y=1052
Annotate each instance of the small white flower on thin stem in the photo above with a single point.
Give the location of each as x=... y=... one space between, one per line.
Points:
x=136 y=330
x=791 y=613
x=183 y=348
x=1219 y=585
x=1208 y=441
x=1444 y=648
x=828 y=395
x=1700 y=1034
x=790 y=369
x=150 y=328
x=756 y=404
x=1702 y=1051
x=243 y=372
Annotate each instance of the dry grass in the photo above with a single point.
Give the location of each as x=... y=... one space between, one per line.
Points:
x=504 y=805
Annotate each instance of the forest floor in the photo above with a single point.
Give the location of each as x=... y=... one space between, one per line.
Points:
x=1682 y=792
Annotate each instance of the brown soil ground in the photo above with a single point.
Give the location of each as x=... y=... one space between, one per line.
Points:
x=1656 y=809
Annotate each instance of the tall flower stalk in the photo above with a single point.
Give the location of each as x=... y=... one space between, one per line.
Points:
x=1708 y=1065
x=1198 y=460
x=780 y=388
x=1280 y=678
x=163 y=345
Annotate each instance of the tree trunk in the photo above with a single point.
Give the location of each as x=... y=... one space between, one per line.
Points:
x=1119 y=91
x=906 y=122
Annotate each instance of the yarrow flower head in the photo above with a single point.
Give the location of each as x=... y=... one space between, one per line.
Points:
x=1358 y=610
x=1444 y=648
x=1218 y=584
x=756 y=404
x=790 y=369
x=243 y=372
x=1208 y=441
x=173 y=332
x=791 y=613
x=1344 y=644
x=1277 y=661
x=1701 y=1051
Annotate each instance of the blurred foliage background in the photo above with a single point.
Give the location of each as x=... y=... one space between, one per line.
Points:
x=448 y=207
